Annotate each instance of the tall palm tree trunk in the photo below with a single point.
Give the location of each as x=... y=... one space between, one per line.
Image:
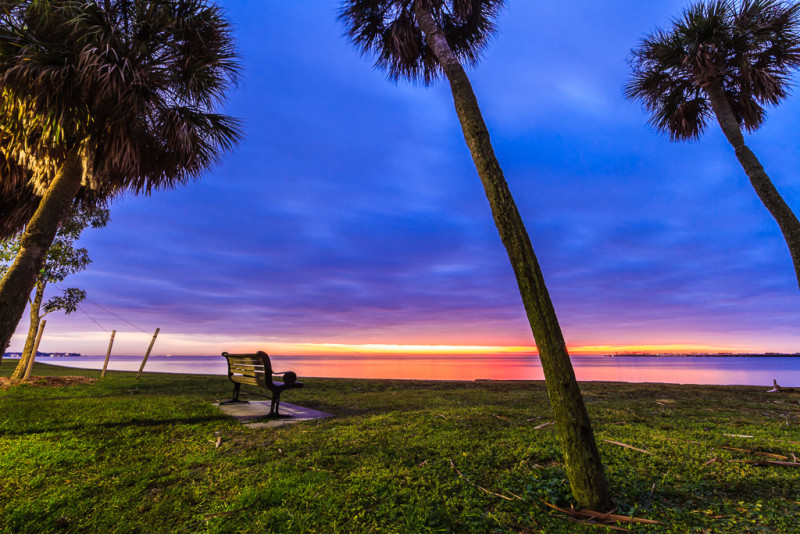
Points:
x=33 y=329
x=16 y=285
x=581 y=457
x=765 y=189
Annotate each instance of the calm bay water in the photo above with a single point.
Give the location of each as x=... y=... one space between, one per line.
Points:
x=754 y=371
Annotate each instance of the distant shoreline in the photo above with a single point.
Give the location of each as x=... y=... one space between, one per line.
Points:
x=44 y=354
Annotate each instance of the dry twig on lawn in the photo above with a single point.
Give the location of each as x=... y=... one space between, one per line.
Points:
x=769 y=454
x=627 y=446
x=599 y=516
x=481 y=487
x=768 y=462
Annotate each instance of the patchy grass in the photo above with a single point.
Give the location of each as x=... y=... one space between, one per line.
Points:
x=127 y=455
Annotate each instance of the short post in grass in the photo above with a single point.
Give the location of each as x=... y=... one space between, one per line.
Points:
x=147 y=355
x=108 y=353
x=35 y=350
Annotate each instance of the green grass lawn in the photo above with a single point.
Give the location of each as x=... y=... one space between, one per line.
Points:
x=127 y=455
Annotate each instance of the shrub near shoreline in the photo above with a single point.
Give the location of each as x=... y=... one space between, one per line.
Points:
x=154 y=455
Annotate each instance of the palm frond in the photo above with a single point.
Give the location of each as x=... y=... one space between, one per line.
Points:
x=100 y=77
x=749 y=47
x=388 y=31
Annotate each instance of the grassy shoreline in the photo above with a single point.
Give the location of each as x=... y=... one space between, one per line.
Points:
x=127 y=455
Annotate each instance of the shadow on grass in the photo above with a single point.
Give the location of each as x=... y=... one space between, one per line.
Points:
x=139 y=423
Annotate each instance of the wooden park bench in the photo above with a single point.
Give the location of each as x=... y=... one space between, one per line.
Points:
x=256 y=370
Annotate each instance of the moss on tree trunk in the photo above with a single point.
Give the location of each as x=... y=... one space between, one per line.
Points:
x=581 y=457
x=17 y=284
x=765 y=189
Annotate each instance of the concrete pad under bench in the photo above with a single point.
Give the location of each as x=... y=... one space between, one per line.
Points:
x=247 y=413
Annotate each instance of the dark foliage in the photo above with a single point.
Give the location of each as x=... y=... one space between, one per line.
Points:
x=388 y=30
x=131 y=84
x=750 y=47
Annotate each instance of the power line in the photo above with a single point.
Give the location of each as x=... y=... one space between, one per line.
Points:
x=90 y=317
x=107 y=311
x=118 y=317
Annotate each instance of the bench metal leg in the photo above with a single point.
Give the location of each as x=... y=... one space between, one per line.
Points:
x=275 y=405
x=235 y=399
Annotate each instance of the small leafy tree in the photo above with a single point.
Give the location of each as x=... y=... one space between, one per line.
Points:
x=62 y=259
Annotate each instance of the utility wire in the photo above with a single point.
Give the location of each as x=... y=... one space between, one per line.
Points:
x=118 y=317
x=90 y=317
x=107 y=311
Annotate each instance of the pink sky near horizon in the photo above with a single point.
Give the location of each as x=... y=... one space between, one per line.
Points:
x=57 y=338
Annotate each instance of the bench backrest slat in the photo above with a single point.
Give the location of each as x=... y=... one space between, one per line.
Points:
x=249 y=380
x=247 y=372
x=235 y=364
x=254 y=369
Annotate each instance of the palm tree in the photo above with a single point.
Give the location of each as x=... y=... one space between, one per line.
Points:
x=730 y=59
x=420 y=40
x=112 y=95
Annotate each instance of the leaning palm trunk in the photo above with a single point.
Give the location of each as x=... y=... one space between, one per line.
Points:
x=17 y=284
x=765 y=189
x=33 y=329
x=581 y=457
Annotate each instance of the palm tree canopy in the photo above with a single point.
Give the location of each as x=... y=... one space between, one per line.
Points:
x=19 y=202
x=388 y=29
x=17 y=205
x=749 y=47
x=18 y=198
x=130 y=85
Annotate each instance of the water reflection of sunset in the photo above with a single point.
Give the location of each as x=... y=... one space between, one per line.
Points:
x=682 y=370
x=378 y=349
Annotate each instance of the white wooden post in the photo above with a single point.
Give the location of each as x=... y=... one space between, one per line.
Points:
x=108 y=353
x=147 y=355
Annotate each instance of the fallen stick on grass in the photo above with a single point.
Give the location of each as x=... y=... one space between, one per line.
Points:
x=600 y=516
x=771 y=455
x=592 y=523
x=627 y=446
x=768 y=462
x=481 y=487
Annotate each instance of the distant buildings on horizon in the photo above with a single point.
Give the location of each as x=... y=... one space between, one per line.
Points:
x=42 y=354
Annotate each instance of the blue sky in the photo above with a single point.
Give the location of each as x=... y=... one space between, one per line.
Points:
x=351 y=213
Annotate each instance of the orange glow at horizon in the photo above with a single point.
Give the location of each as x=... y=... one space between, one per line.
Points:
x=188 y=344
